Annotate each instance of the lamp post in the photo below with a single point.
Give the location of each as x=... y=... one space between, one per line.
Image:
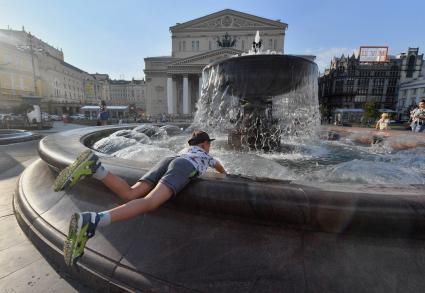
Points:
x=32 y=63
x=31 y=50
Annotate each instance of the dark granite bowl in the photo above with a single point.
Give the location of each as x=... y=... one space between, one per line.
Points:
x=263 y=75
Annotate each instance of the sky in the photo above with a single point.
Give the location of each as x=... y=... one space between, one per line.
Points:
x=114 y=37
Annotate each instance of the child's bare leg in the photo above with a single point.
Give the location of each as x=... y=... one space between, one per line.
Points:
x=120 y=187
x=159 y=195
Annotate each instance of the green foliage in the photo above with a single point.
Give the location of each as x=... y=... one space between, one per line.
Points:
x=324 y=111
x=370 y=110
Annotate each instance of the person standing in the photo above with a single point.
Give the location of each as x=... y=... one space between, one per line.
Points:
x=383 y=123
x=103 y=113
x=418 y=118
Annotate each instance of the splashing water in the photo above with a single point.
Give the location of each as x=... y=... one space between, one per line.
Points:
x=307 y=162
x=284 y=107
x=269 y=105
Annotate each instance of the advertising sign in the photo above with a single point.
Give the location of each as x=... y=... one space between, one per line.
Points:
x=373 y=54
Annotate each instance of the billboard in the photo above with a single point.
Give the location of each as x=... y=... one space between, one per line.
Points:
x=373 y=54
x=89 y=89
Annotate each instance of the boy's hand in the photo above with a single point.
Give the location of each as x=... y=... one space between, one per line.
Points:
x=219 y=168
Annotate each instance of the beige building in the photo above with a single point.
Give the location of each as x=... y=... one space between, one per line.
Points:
x=126 y=92
x=30 y=67
x=173 y=83
x=19 y=70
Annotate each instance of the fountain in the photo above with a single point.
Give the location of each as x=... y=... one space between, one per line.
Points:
x=305 y=209
x=258 y=97
x=8 y=136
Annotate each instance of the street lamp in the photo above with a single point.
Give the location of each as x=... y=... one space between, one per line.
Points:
x=31 y=49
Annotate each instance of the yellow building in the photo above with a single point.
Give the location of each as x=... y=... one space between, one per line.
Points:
x=29 y=67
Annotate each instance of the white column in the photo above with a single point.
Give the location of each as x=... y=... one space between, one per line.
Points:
x=175 y=96
x=200 y=87
x=170 y=95
x=186 y=104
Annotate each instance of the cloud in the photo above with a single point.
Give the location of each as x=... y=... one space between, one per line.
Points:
x=324 y=56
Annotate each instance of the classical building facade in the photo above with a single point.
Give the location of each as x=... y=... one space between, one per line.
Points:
x=20 y=74
x=173 y=83
x=349 y=83
x=126 y=92
x=410 y=94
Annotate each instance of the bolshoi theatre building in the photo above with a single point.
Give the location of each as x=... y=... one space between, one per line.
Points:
x=173 y=83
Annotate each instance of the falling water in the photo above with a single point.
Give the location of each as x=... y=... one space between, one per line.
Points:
x=287 y=114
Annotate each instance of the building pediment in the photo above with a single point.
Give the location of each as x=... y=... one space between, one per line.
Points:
x=227 y=20
x=206 y=58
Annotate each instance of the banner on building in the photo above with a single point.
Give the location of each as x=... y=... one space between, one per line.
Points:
x=373 y=54
x=89 y=89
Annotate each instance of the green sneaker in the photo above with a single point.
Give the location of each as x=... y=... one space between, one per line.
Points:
x=82 y=227
x=86 y=164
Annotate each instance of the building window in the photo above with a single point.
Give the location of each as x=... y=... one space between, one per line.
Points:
x=362 y=91
x=392 y=82
x=391 y=91
x=197 y=45
x=378 y=82
x=363 y=82
x=209 y=45
x=270 y=44
x=275 y=44
x=377 y=91
x=350 y=81
x=184 y=45
x=359 y=99
x=243 y=44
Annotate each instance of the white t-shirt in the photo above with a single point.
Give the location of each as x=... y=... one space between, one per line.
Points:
x=199 y=158
x=418 y=114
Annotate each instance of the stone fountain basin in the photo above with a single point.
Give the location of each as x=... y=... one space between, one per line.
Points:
x=254 y=76
x=230 y=233
x=8 y=136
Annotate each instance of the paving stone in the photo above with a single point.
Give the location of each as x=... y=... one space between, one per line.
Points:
x=17 y=257
x=22 y=267
x=39 y=276
x=10 y=233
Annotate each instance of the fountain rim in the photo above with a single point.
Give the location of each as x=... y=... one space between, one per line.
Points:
x=8 y=136
x=279 y=204
x=259 y=199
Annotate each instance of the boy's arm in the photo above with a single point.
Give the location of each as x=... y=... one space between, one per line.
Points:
x=219 y=168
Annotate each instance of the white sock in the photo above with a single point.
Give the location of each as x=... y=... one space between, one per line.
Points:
x=104 y=219
x=100 y=173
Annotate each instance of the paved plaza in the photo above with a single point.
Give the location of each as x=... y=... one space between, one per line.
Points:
x=22 y=267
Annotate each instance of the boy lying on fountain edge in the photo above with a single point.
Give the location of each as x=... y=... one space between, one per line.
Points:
x=157 y=186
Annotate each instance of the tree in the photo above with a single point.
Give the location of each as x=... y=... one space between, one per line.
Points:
x=22 y=108
x=324 y=111
x=370 y=110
